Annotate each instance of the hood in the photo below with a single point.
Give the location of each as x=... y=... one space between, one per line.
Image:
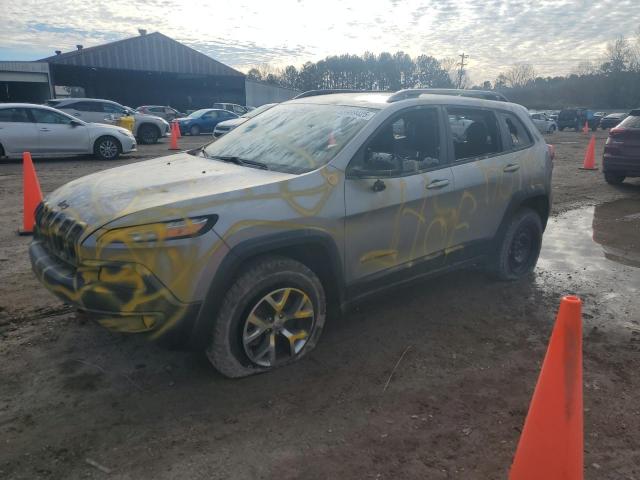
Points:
x=102 y=126
x=102 y=197
x=233 y=123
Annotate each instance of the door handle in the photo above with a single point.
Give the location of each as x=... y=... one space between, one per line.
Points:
x=378 y=186
x=45 y=130
x=77 y=114
x=438 y=184
x=512 y=167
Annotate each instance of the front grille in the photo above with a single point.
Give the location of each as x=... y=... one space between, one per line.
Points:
x=58 y=232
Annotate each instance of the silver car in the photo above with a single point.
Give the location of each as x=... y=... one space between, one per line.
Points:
x=225 y=127
x=241 y=247
x=147 y=128
x=46 y=132
x=543 y=122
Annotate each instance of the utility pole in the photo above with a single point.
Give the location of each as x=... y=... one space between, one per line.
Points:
x=461 y=71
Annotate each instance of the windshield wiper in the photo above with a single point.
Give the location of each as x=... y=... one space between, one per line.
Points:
x=237 y=160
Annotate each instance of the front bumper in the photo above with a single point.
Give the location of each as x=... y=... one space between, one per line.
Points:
x=123 y=297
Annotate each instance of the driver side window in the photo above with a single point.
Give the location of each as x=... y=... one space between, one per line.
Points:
x=407 y=144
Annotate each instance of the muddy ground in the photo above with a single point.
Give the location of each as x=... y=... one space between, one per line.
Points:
x=79 y=402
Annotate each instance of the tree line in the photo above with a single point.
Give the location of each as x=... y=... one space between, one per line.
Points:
x=612 y=82
x=384 y=71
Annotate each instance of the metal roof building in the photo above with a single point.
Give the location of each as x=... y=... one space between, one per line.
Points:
x=148 y=69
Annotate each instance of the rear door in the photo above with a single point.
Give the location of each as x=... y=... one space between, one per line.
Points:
x=209 y=120
x=57 y=134
x=398 y=196
x=17 y=131
x=485 y=175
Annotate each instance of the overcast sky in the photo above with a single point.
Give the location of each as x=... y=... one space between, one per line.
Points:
x=553 y=35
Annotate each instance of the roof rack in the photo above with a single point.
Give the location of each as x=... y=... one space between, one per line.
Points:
x=329 y=91
x=416 y=92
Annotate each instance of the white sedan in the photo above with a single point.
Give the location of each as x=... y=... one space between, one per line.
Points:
x=543 y=122
x=46 y=132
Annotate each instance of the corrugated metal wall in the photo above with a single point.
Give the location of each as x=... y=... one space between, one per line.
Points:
x=261 y=93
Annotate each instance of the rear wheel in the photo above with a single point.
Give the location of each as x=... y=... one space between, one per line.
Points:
x=552 y=129
x=613 y=179
x=107 y=148
x=520 y=246
x=148 y=134
x=194 y=130
x=272 y=315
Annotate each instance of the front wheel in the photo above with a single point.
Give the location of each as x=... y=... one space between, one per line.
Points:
x=552 y=129
x=519 y=248
x=612 y=179
x=195 y=130
x=272 y=315
x=107 y=148
x=148 y=134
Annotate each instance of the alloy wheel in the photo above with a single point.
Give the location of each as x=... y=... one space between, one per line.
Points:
x=108 y=149
x=278 y=327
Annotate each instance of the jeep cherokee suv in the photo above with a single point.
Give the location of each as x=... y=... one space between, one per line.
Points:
x=240 y=247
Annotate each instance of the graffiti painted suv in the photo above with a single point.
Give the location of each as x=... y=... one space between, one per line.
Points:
x=241 y=247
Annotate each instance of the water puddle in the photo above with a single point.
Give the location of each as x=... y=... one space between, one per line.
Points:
x=595 y=252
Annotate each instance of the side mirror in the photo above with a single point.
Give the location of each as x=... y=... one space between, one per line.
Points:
x=75 y=123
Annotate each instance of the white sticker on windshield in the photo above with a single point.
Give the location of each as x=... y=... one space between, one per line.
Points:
x=357 y=113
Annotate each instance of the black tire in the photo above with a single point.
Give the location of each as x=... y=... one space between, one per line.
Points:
x=1 y=151
x=107 y=148
x=561 y=129
x=227 y=350
x=148 y=134
x=613 y=179
x=519 y=248
x=594 y=128
x=194 y=130
x=552 y=129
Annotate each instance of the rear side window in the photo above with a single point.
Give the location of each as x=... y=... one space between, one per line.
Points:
x=82 y=106
x=16 y=115
x=474 y=132
x=631 y=121
x=517 y=134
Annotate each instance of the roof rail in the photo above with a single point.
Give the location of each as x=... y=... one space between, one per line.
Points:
x=329 y=91
x=416 y=92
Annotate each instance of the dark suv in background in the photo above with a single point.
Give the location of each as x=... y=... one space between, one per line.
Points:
x=575 y=118
x=622 y=151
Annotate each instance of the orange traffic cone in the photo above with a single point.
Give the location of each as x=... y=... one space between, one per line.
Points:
x=174 y=137
x=590 y=156
x=177 y=128
x=585 y=129
x=31 y=192
x=551 y=444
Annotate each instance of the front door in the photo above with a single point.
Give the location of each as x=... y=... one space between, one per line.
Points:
x=398 y=195
x=57 y=134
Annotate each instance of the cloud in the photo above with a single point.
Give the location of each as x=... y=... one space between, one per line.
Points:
x=553 y=35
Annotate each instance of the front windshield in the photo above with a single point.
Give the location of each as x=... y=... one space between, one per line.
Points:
x=294 y=138
x=198 y=113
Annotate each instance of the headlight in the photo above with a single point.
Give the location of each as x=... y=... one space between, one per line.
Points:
x=160 y=232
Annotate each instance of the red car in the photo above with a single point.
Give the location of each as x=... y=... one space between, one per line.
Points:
x=622 y=151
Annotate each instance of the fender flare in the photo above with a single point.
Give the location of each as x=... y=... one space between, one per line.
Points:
x=270 y=244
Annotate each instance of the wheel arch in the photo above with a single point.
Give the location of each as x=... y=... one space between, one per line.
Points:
x=314 y=249
x=106 y=135
x=538 y=201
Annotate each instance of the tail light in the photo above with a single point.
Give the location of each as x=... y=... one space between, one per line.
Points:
x=552 y=151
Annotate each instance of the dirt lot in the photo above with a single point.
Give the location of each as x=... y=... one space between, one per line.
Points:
x=73 y=394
